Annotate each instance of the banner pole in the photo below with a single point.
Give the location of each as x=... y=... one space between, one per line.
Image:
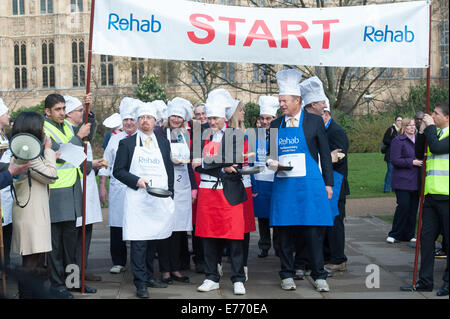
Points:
x=86 y=117
x=422 y=186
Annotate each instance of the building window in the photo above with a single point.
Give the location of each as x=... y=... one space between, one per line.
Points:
x=137 y=70
x=198 y=73
x=444 y=48
x=106 y=70
x=226 y=2
x=18 y=7
x=48 y=64
x=415 y=73
x=78 y=67
x=387 y=72
x=20 y=66
x=46 y=6
x=259 y=73
x=76 y=5
x=228 y=71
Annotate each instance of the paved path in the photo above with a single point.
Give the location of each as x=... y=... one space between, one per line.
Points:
x=365 y=246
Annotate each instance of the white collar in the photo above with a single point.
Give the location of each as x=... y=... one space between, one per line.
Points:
x=297 y=116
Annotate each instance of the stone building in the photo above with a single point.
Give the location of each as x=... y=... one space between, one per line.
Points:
x=44 y=49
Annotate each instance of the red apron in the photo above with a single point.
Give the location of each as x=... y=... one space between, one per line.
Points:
x=216 y=218
x=249 y=215
x=194 y=203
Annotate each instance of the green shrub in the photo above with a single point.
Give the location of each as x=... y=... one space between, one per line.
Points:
x=39 y=108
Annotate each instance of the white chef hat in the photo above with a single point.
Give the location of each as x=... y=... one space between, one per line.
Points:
x=71 y=103
x=127 y=108
x=3 y=107
x=113 y=121
x=180 y=107
x=312 y=90
x=145 y=109
x=327 y=102
x=231 y=105
x=268 y=105
x=218 y=101
x=288 y=82
x=161 y=110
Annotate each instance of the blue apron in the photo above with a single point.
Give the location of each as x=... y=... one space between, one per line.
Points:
x=299 y=196
x=262 y=186
x=338 y=177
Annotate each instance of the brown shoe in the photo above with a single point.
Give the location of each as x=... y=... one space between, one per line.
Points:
x=92 y=277
x=339 y=267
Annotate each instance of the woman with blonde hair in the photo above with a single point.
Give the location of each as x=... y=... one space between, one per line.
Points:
x=405 y=181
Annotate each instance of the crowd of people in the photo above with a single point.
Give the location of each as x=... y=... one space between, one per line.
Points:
x=174 y=168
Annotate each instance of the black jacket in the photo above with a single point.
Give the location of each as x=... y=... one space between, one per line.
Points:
x=233 y=187
x=337 y=138
x=124 y=156
x=389 y=135
x=317 y=141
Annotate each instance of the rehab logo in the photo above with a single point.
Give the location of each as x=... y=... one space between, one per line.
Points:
x=118 y=23
x=388 y=34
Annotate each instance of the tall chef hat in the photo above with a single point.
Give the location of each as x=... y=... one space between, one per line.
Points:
x=71 y=103
x=113 y=121
x=161 y=110
x=288 y=81
x=217 y=102
x=312 y=90
x=180 y=107
x=3 y=107
x=127 y=108
x=268 y=105
x=145 y=109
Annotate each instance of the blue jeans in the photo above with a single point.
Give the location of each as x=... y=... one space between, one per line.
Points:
x=387 y=178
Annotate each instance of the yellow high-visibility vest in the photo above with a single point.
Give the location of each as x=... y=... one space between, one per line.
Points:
x=67 y=173
x=436 y=176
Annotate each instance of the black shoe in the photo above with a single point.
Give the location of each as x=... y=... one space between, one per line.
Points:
x=443 y=291
x=418 y=287
x=263 y=253
x=142 y=292
x=167 y=280
x=152 y=283
x=184 y=279
x=87 y=290
x=62 y=293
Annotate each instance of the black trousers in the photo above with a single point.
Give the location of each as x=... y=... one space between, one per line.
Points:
x=213 y=248
x=434 y=219
x=169 y=252
x=64 y=246
x=7 y=237
x=88 y=238
x=117 y=247
x=245 y=248
x=334 y=242
x=307 y=240
x=264 y=241
x=197 y=248
x=142 y=254
x=404 y=224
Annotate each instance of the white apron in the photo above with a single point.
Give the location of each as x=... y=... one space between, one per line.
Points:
x=182 y=186
x=6 y=198
x=116 y=188
x=147 y=217
x=93 y=207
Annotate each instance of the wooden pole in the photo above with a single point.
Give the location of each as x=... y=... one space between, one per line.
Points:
x=86 y=117
x=422 y=187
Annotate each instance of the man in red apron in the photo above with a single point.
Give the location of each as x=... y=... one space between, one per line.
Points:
x=220 y=216
x=300 y=202
x=141 y=160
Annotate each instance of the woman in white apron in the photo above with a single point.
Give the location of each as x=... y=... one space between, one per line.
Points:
x=179 y=111
x=144 y=160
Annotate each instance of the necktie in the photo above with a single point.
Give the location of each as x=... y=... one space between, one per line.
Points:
x=439 y=133
x=292 y=122
x=147 y=142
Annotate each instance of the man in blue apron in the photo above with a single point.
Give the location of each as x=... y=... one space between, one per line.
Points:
x=141 y=160
x=334 y=244
x=262 y=182
x=300 y=203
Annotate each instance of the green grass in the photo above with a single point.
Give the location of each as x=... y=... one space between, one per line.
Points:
x=366 y=173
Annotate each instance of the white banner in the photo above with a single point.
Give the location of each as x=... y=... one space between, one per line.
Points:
x=385 y=35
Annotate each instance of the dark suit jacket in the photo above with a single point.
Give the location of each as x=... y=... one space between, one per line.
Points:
x=124 y=156
x=317 y=141
x=338 y=139
x=388 y=136
x=233 y=187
